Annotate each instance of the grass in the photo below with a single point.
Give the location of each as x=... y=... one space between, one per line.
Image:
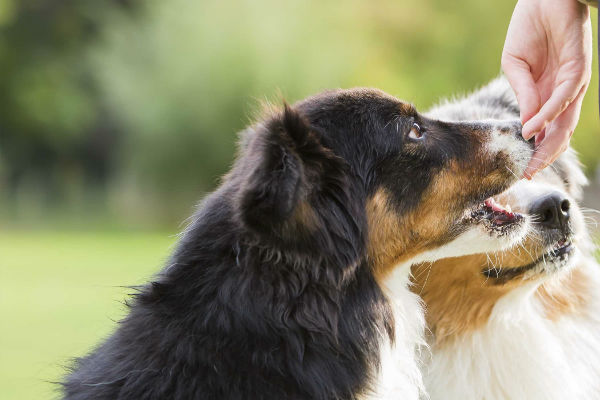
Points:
x=60 y=293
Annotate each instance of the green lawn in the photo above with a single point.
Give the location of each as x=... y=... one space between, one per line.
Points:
x=59 y=295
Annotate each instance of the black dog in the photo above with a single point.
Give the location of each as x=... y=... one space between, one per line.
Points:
x=275 y=291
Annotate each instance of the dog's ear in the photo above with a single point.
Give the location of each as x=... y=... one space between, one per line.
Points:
x=283 y=162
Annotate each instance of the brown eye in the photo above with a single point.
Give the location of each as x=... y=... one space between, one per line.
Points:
x=415 y=132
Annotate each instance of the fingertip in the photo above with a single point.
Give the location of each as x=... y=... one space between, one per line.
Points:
x=535 y=164
x=531 y=128
x=529 y=171
x=528 y=134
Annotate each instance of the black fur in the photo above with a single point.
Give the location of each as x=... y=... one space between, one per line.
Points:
x=269 y=294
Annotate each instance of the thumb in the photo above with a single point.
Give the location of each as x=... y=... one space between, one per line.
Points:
x=519 y=76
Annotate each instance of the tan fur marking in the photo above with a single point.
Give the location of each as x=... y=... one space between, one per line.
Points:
x=456 y=297
x=459 y=298
x=395 y=238
x=407 y=108
x=386 y=234
x=305 y=216
x=565 y=296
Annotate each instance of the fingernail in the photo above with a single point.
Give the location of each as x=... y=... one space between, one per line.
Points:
x=528 y=135
x=529 y=130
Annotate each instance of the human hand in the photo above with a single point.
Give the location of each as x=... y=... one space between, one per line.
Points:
x=547 y=59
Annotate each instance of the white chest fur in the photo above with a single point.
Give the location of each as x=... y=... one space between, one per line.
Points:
x=399 y=376
x=521 y=354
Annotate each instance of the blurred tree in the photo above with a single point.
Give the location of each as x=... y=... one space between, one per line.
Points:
x=147 y=104
x=53 y=125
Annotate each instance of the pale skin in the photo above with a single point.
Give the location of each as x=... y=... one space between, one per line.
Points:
x=547 y=59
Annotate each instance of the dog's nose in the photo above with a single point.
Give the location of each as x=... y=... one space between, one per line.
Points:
x=552 y=211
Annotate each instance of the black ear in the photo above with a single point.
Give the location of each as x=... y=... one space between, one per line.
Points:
x=279 y=160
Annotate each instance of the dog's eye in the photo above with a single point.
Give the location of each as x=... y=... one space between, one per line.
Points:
x=415 y=132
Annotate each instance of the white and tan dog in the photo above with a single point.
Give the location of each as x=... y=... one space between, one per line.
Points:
x=522 y=323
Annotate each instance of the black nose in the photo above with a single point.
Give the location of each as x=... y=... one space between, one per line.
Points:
x=552 y=211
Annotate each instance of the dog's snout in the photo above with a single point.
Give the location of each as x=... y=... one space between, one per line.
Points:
x=515 y=128
x=552 y=211
x=510 y=127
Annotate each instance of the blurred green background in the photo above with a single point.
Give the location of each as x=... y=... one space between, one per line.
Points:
x=116 y=117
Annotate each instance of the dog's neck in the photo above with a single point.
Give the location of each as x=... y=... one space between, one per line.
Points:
x=539 y=342
x=399 y=373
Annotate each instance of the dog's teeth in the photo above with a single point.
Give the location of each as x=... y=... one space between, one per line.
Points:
x=508 y=208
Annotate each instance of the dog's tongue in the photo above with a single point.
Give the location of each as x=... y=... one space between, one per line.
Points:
x=491 y=203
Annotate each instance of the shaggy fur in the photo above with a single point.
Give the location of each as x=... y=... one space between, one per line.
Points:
x=276 y=290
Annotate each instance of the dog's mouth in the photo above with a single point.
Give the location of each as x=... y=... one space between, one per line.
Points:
x=494 y=216
x=562 y=249
x=556 y=257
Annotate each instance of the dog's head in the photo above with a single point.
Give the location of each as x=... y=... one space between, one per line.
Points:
x=361 y=173
x=557 y=228
x=460 y=292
